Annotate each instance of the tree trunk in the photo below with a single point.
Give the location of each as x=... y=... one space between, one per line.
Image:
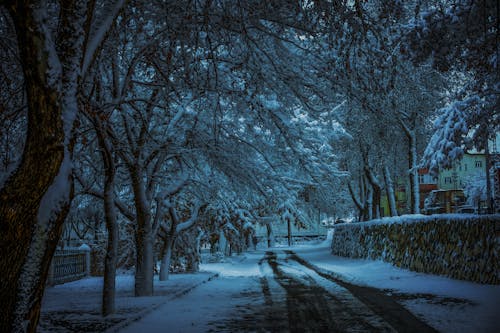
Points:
x=35 y=199
x=201 y=233
x=176 y=227
x=376 y=192
x=414 y=185
x=357 y=202
x=289 y=227
x=168 y=246
x=34 y=275
x=364 y=190
x=369 y=203
x=389 y=187
x=489 y=196
x=144 y=261
x=108 y=290
x=270 y=236
x=167 y=256
x=223 y=248
x=144 y=268
x=413 y=166
x=213 y=239
x=20 y=201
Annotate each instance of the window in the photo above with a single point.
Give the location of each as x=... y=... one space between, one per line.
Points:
x=421 y=179
x=479 y=164
x=447 y=180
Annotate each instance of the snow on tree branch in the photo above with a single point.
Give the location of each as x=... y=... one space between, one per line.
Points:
x=100 y=34
x=445 y=145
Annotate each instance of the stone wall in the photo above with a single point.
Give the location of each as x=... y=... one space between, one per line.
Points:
x=465 y=247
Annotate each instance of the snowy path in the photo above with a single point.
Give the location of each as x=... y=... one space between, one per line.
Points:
x=446 y=304
x=279 y=292
x=75 y=306
x=209 y=307
x=297 y=289
x=317 y=301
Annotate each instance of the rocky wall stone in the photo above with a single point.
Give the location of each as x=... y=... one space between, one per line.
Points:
x=465 y=247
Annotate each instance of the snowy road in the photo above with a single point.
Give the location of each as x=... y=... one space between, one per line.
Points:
x=287 y=295
x=297 y=289
x=319 y=302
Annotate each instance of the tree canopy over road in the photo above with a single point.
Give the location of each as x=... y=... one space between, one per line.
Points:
x=156 y=123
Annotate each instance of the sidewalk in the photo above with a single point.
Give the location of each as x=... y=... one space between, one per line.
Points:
x=75 y=306
x=234 y=297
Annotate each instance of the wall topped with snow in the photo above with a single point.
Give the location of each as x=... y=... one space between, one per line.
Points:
x=464 y=247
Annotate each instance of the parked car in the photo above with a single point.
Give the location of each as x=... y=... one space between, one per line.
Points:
x=466 y=209
x=443 y=201
x=330 y=222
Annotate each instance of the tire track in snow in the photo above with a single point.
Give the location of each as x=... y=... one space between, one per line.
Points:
x=311 y=309
x=381 y=304
x=276 y=319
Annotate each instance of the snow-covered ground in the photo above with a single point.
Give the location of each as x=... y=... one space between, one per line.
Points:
x=237 y=294
x=446 y=304
x=75 y=306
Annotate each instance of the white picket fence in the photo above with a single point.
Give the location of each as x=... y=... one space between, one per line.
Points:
x=69 y=264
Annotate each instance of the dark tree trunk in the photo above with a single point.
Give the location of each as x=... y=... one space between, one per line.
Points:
x=108 y=290
x=389 y=187
x=358 y=202
x=489 y=196
x=375 y=194
x=289 y=227
x=376 y=202
x=270 y=236
x=369 y=203
x=144 y=262
x=31 y=211
x=144 y=268
x=413 y=167
x=28 y=239
x=412 y=185
x=167 y=257
x=376 y=189
x=21 y=196
x=167 y=248
x=52 y=239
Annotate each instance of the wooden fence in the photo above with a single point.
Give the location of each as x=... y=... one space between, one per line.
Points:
x=69 y=264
